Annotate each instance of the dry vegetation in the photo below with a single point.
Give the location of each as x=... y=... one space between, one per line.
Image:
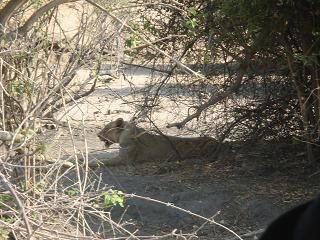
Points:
x=42 y=60
x=208 y=78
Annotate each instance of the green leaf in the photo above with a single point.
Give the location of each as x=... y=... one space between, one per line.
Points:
x=132 y=42
x=42 y=147
x=73 y=191
x=192 y=23
x=6 y=198
x=192 y=12
x=113 y=198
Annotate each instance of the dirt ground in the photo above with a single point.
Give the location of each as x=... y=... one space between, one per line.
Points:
x=244 y=189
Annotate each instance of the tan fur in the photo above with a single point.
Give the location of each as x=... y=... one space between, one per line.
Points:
x=138 y=145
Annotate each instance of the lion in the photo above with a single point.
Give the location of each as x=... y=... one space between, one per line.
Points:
x=138 y=145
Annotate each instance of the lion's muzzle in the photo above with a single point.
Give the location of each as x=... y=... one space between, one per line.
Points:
x=106 y=141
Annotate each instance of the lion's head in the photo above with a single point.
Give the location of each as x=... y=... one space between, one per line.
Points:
x=111 y=132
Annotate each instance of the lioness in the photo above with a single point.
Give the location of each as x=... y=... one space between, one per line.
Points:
x=139 y=145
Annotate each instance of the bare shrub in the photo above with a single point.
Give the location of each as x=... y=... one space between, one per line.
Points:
x=42 y=61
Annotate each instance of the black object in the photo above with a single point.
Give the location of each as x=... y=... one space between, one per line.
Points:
x=300 y=223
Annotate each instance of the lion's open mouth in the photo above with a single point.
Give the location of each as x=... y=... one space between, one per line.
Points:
x=106 y=141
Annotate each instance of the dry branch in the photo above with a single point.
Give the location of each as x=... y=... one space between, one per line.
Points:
x=36 y=15
x=7 y=11
x=212 y=221
x=19 y=203
x=146 y=41
x=216 y=98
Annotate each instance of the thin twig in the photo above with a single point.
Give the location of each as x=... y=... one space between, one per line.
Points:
x=149 y=43
x=19 y=204
x=249 y=234
x=185 y=211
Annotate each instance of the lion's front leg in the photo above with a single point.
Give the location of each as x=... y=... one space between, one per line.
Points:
x=114 y=161
x=123 y=158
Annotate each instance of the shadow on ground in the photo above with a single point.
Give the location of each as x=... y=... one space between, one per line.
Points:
x=244 y=192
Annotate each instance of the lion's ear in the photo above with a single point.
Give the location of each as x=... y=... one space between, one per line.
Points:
x=119 y=122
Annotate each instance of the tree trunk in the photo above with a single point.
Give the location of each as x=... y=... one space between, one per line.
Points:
x=305 y=106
